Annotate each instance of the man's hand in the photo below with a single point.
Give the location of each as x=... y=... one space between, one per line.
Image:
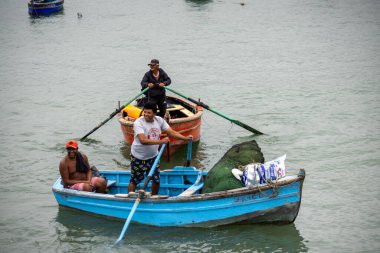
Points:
x=190 y=138
x=150 y=85
x=165 y=140
x=161 y=84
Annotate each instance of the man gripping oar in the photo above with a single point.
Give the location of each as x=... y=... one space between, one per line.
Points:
x=156 y=79
x=141 y=194
x=147 y=130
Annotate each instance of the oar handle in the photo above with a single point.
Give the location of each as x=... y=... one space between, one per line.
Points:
x=114 y=113
x=168 y=151
x=189 y=149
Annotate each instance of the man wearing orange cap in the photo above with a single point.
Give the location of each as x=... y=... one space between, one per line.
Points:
x=76 y=173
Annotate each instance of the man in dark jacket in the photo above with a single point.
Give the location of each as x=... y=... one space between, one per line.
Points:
x=156 y=79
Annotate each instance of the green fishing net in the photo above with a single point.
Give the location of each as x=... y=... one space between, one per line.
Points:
x=220 y=178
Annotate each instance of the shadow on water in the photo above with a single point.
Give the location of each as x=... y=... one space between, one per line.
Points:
x=60 y=147
x=36 y=18
x=199 y=4
x=84 y=231
x=89 y=141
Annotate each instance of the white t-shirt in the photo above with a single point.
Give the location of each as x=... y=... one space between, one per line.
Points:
x=152 y=131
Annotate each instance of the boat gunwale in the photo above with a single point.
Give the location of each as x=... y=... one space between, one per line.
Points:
x=53 y=1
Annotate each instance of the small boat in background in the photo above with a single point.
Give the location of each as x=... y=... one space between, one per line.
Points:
x=184 y=117
x=44 y=7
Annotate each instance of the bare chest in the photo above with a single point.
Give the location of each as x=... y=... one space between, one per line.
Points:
x=72 y=169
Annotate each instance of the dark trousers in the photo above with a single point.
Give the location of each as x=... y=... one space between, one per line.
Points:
x=160 y=102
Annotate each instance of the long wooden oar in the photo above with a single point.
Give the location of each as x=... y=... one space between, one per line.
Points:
x=113 y=114
x=237 y=122
x=168 y=147
x=137 y=202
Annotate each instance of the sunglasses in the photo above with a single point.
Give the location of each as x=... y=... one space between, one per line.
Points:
x=70 y=149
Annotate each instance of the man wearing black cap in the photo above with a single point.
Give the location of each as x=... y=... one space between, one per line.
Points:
x=156 y=79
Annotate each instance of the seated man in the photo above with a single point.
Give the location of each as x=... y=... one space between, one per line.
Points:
x=76 y=173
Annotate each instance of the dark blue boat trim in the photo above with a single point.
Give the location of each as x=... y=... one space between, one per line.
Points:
x=46 y=7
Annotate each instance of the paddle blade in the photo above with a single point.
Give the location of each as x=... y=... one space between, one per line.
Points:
x=137 y=202
x=246 y=127
x=216 y=112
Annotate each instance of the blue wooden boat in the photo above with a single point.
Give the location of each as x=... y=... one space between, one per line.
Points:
x=180 y=202
x=44 y=7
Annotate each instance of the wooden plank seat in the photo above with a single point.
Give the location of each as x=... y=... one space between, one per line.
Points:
x=198 y=184
x=192 y=189
x=181 y=109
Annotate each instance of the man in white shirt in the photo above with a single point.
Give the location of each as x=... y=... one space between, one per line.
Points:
x=147 y=130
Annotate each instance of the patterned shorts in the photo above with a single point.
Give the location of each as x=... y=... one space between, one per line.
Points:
x=141 y=168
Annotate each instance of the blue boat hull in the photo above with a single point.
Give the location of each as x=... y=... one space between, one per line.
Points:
x=263 y=204
x=45 y=7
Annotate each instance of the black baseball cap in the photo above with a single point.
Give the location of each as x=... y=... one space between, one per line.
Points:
x=153 y=62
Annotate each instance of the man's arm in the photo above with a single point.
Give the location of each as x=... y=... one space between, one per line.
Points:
x=166 y=79
x=64 y=171
x=175 y=134
x=145 y=141
x=145 y=81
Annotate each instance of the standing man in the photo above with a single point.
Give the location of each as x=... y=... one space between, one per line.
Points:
x=156 y=79
x=147 y=130
x=76 y=173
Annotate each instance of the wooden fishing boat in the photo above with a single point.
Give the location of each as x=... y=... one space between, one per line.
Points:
x=44 y=7
x=185 y=117
x=180 y=202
